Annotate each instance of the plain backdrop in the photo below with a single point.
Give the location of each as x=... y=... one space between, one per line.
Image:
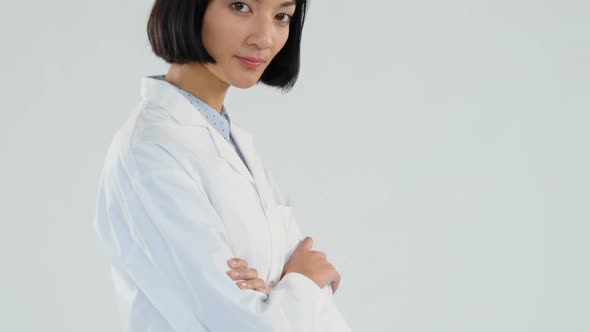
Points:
x=437 y=151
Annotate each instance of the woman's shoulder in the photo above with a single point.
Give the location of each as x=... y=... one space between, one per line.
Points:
x=151 y=123
x=150 y=131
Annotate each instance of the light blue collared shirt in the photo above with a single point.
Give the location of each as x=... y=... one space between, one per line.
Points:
x=221 y=122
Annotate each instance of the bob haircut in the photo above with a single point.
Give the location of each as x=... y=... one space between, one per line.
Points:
x=174 y=31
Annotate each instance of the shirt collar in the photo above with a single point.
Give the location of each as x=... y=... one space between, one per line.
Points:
x=221 y=122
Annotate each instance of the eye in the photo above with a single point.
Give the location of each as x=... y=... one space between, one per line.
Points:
x=284 y=18
x=240 y=6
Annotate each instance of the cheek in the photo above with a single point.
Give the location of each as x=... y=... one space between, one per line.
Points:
x=281 y=40
x=219 y=35
x=228 y=41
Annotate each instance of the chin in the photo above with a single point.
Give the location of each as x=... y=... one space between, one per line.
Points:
x=244 y=84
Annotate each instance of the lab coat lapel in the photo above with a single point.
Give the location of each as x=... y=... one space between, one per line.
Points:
x=227 y=152
x=167 y=96
x=245 y=143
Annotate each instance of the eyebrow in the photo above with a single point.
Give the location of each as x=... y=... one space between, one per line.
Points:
x=284 y=4
x=288 y=3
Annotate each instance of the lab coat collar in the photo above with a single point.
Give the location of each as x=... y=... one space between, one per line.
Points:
x=162 y=93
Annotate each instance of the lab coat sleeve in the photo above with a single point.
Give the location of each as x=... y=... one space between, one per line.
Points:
x=162 y=230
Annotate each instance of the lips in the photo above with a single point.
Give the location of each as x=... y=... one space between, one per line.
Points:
x=252 y=59
x=250 y=62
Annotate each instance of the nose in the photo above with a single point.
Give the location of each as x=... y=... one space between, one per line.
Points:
x=261 y=33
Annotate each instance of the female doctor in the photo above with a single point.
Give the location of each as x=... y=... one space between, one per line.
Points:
x=199 y=234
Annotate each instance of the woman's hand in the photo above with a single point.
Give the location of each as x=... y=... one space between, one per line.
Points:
x=247 y=278
x=313 y=264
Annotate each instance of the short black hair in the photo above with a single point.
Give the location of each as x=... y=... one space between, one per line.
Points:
x=174 y=32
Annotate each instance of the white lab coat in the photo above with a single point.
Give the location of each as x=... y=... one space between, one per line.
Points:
x=175 y=202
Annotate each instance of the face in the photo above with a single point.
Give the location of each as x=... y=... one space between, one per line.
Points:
x=244 y=36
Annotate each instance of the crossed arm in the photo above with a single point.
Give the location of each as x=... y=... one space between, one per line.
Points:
x=247 y=278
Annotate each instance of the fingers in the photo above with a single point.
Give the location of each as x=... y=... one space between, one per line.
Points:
x=251 y=284
x=336 y=282
x=265 y=290
x=242 y=274
x=237 y=263
x=255 y=284
x=320 y=253
x=248 y=278
x=305 y=244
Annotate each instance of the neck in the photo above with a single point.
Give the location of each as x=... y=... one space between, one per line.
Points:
x=196 y=79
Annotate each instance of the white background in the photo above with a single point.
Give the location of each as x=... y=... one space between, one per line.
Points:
x=437 y=151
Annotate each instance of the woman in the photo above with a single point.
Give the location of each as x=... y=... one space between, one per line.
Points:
x=183 y=193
